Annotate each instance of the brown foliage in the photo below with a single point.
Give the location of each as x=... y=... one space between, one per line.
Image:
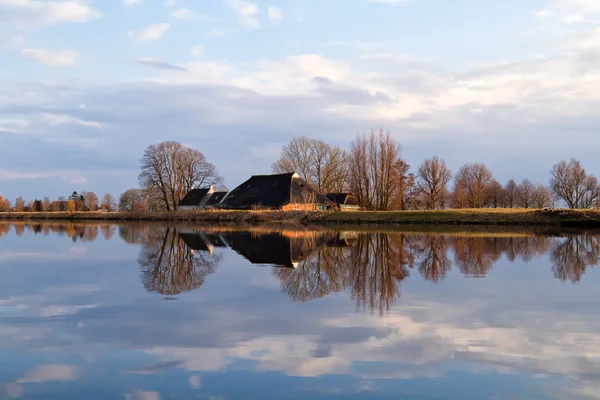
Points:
x=378 y=175
x=433 y=181
x=571 y=183
x=315 y=161
x=171 y=170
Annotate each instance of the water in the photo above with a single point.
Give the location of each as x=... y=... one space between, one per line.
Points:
x=146 y=312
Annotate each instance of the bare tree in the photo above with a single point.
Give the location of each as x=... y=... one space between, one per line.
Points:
x=474 y=181
x=542 y=197
x=496 y=195
x=132 y=200
x=406 y=195
x=108 y=203
x=46 y=204
x=20 y=204
x=375 y=167
x=173 y=170
x=570 y=182
x=90 y=200
x=433 y=180
x=317 y=162
x=525 y=192
x=510 y=194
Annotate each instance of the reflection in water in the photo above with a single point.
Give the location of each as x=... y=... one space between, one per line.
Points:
x=65 y=328
x=572 y=256
x=319 y=263
x=170 y=266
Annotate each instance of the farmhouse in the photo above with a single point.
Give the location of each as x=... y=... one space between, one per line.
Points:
x=198 y=199
x=276 y=192
x=345 y=201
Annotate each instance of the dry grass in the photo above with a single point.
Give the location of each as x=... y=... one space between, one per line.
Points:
x=554 y=217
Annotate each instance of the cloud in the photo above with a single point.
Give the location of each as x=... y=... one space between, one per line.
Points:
x=195 y=381
x=53 y=58
x=64 y=175
x=152 y=32
x=31 y=13
x=275 y=14
x=132 y=2
x=13 y=391
x=183 y=13
x=154 y=63
x=13 y=125
x=50 y=373
x=142 y=395
x=389 y=2
x=61 y=119
x=197 y=51
x=246 y=11
x=171 y=3
x=10 y=40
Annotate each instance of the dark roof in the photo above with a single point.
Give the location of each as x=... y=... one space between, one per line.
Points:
x=343 y=198
x=215 y=198
x=273 y=191
x=194 y=241
x=194 y=197
x=270 y=248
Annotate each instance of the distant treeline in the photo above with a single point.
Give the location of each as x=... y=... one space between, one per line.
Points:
x=372 y=169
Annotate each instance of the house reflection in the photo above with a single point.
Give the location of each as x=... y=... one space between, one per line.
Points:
x=313 y=264
x=170 y=266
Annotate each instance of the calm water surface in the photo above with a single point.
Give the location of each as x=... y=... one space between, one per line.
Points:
x=148 y=312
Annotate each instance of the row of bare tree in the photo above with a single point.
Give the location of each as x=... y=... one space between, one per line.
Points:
x=375 y=172
x=372 y=169
x=84 y=201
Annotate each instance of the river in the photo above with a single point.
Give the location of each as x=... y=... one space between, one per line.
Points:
x=145 y=311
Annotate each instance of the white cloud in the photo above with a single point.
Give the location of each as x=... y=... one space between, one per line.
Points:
x=35 y=12
x=13 y=125
x=171 y=3
x=246 y=11
x=10 y=40
x=142 y=395
x=58 y=58
x=275 y=14
x=183 y=13
x=13 y=391
x=50 y=373
x=195 y=381
x=197 y=51
x=67 y=176
x=132 y=2
x=61 y=119
x=152 y=32
x=389 y=2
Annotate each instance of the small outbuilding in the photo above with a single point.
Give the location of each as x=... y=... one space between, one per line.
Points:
x=344 y=201
x=214 y=200
x=195 y=199
x=276 y=192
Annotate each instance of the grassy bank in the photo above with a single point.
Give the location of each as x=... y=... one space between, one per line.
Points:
x=557 y=217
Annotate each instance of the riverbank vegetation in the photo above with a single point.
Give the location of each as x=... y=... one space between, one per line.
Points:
x=546 y=217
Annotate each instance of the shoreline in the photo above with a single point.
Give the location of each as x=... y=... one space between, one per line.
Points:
x=502 y=217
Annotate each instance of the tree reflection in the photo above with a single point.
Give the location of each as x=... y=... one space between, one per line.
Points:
x=432 y=257
x=371 y=270
x=169 y=266
x=571 y=257
x=315 y=277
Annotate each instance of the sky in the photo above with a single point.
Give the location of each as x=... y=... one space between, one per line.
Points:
x=86 y=86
